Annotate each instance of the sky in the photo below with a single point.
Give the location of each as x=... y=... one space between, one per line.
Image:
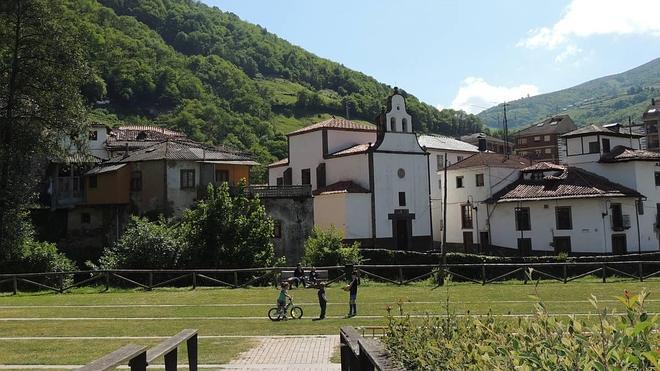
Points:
x=467 y=54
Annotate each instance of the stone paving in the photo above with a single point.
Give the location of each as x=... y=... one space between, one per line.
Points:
x=290 y=353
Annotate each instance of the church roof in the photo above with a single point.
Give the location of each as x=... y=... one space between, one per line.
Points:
x=442 y=142
x=282 y=162
x=345 y=186
x=336 y=124
x=491 y=159
x=353 y=150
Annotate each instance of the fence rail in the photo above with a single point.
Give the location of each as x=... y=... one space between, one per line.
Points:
x=482 y=273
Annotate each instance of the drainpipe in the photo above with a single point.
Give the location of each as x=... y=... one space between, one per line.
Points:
x=639 y=237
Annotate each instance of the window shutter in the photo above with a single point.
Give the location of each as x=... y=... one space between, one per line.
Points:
x=320 y=175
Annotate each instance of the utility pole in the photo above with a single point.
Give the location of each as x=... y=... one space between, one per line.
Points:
x=444 y=221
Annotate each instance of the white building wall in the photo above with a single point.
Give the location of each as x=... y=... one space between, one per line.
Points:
x=342 y=139
x=354 y=168
x=349 y=213
x=181 y=199
x=274 y=173
x=305 y=152
x=577 y=148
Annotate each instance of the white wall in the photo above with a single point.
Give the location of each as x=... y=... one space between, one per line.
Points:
x=576 y=149
x=354 y=168
x=350 y=213
x=181 y=199
x=342 y=139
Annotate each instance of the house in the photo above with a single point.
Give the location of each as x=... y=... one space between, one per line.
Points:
x=492 y=144
x=587 y=144
x=369 y=181
x=540 y=141
x=440 y=148
x=470 y=183
x=651 y=119
x=554 y=209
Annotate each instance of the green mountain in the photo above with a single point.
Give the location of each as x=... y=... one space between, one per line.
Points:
x=604 y=100
x=194 y=68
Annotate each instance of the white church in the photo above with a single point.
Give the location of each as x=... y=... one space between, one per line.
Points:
x=369 y=182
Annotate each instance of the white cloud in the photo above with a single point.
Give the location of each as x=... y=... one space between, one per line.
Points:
x=584 y=18
x=568 y=52
x=475 y=94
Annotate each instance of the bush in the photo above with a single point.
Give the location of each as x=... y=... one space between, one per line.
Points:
x=622 y=342
x=145 y=245
x=326 y=248
x=44 y=257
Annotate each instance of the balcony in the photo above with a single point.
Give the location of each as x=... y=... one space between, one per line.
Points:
x=67 y=191
x=297 y=191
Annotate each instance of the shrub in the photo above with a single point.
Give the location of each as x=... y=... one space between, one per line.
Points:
x=44 y=257
x=326 y=248
x=144 y=245
x=622 y=342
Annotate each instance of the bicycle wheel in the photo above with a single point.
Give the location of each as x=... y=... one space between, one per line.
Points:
x=296 y=312
x=274 y=314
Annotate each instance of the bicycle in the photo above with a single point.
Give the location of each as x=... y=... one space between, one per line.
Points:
x=294 y=311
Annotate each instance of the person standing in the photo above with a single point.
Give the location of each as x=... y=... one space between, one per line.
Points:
x=323 y=301
x=352 y=289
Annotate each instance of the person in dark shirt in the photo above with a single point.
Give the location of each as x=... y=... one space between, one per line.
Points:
x=299 y=273
x=352 y=289
x=313 y=277
x=323 y=301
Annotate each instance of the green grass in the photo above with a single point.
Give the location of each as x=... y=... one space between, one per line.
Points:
x=186 y=308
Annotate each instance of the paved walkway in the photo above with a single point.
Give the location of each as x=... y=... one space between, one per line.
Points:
x=290 y=353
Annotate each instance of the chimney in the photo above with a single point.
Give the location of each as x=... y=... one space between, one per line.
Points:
x=481 y=144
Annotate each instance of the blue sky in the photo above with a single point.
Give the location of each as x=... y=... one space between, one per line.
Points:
x=463 y=53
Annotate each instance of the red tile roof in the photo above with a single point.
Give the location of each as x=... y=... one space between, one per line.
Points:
x=491 y=159
x=623 y=154
x=572 y=183
x=335 y=123
x=340 y=187
x=543 y=166
x=358 y=148
x=282 y=162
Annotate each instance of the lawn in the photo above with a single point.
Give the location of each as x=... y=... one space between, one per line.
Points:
x=38 y=328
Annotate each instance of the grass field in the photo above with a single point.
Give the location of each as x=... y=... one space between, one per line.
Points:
x=44 y=328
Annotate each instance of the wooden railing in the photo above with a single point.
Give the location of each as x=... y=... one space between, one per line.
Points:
x=483 y=273
x=363 y=354
x=138 y=358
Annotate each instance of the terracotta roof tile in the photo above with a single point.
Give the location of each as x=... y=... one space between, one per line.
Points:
x=543 y=166
x=179 y=150
x=282 y=162
x=572 y=183
x=491 y=159
x=340 y=187
x=558 y=124
x=336 y=123
x=353 y=150
x=623 y=154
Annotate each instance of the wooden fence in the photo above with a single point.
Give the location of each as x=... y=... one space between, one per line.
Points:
x=483 y=273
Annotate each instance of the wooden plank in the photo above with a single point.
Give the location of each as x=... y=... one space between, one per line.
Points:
x=374 y=356
x=114 y=359
x=170 y=344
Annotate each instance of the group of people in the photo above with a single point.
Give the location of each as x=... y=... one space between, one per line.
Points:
x=299 y=276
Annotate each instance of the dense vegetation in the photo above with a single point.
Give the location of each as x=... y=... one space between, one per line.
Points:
x=327 y=248
x=604 y=100
x=626 y=341
x=184 y=65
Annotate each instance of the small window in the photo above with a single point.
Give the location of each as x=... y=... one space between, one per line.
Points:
x=136 y=180
x=563 y=217
x=459 y=182
x=93 y=135
x=277 y=229
x=640 y=207
x=93 y=181
x=546 y=138
x=594 y=147
x=439 y=183
x=522 y=141
x=548 y=151
x=466 y=216
x=606 y=145
x=459 y=158
x=480 y=180
x=440 y=161
x=221 y=176
x=305 y=176
x=187 y=178
x=392 y=124
x=288 y=176
x=404 y=125
x=657 y=178
x=537 y=139
x=402 y=198
x=85 y=218
x=320 y=175
x=522 y=219
x=279 y=181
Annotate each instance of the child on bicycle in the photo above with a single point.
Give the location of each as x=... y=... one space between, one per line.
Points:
x=281 y=299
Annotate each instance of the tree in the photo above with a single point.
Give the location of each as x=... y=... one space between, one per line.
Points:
x=228 y=231
x=41 y=74
x=326 y=248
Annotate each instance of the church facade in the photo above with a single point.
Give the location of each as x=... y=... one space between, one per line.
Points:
x=371 y=182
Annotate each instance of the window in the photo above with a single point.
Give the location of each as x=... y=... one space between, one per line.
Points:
x=522 y=219
x=404 y=124
x=640 y=207
x=439 y=183
x=93 y=181
x=305 y=176
x=522 y=140
x=85 y=218
x=548 y=151
x=562 y=245
x=563 y=217
x=657 y=178
x=459 y=182
x=617 y=217
x=392 y=124
x=277 y=229
x=537 y=139
x=480 y=180
x=221 y=176
x=619 y=244
x=402 y=198
x=459 y=158
x=93 y=135
x=280 y=181
x=606 y=145
x=466 y=216
x=320 y=175
x=525 y=246
x=546 y=138
x=187 y=178
x=440 y=161
x=594 y=147
x=136 y=180
x=288 y=176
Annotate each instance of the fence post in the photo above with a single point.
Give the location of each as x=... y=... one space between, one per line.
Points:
x=565 y=273
x=194 y=280
x=603 y=268
x=61 y=281
x=191 y=345
x=151 y=280
x=107 y=280
x=15 y=284
x=236 y=279
x=641 y=272
x=483 y=273
x=400 y=276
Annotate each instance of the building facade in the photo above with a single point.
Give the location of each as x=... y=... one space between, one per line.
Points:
x=540 y=141
x=651 y=119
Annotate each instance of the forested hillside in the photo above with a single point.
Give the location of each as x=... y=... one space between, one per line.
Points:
x=184 y=65
x=604 y=100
